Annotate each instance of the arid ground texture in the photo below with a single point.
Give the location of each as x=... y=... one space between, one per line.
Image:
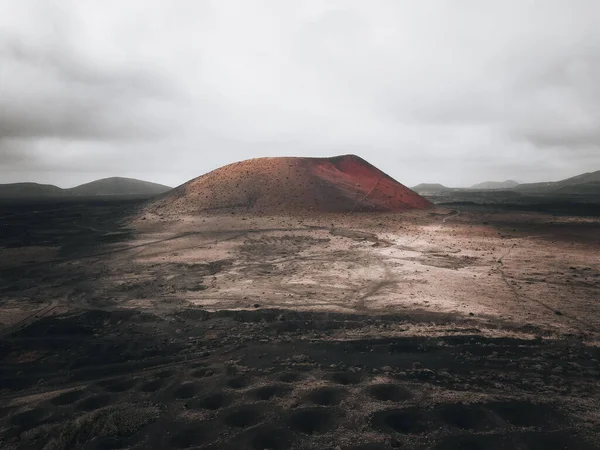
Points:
x=297 y=304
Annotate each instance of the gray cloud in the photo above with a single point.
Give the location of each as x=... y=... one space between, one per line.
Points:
x=429 y=91
x=14 y=153
x=577 y=139
x=564 y=100
x=48 y=93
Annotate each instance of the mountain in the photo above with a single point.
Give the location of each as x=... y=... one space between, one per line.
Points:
x=115 y=186
x=118 y=186
x=430 y=188
x=508 y=184
x=28 y=190
x=587 y=183
x=287 y=184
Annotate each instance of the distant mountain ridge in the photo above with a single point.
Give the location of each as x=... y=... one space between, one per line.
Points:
x=118 y=186
x=430 y=188
x=113 y=186
x=22 y=190
x=586 y=183
x=508 y=184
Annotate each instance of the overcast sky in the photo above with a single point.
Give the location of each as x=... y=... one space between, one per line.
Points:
x=455 y=92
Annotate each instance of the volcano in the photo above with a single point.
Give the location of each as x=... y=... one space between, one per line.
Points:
x=345 y=183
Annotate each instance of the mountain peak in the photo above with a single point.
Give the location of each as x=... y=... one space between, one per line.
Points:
x=288 y=184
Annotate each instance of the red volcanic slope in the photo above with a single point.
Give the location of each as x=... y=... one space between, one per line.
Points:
x=340 y=184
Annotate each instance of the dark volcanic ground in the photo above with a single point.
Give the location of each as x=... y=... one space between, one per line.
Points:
x=83 y=372
x=279 y=379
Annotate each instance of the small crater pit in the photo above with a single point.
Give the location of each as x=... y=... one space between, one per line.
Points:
x=244 y=416
x=109 y=443
x=485 y=442
x=525 y=414
x=213 y=401
x=553 y=441
x=271 y=391
x=388 y=392
x=152 y=386
x=4 y=411
x=239 y=382
x=165 y=373
x=121 y=385
x=94 y=402
x=345 y=378
x=466 y=417
x=29 y=418
x=370 y=446
x=192 y=435
x=66 y=398
x=407 y=421
x=326 y=396
x=203 y=372
x=291 y=377
x=271 y=439
x=187 y=390
x=312 y=420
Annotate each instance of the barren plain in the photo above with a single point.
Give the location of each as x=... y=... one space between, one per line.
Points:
x=449 y=328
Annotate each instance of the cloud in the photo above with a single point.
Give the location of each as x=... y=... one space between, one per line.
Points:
x=13 y=153
x=429 y=91
x=50 y=94
x=563 y=103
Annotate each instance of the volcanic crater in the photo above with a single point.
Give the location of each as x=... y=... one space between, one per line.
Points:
x=345 y=183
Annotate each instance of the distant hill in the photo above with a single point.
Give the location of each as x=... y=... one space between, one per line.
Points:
x=584 y=184
x=425 y=188
x=26 y=190
x=345 y=183
x=116 y=186
x=587 y=183
x=508 y=184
